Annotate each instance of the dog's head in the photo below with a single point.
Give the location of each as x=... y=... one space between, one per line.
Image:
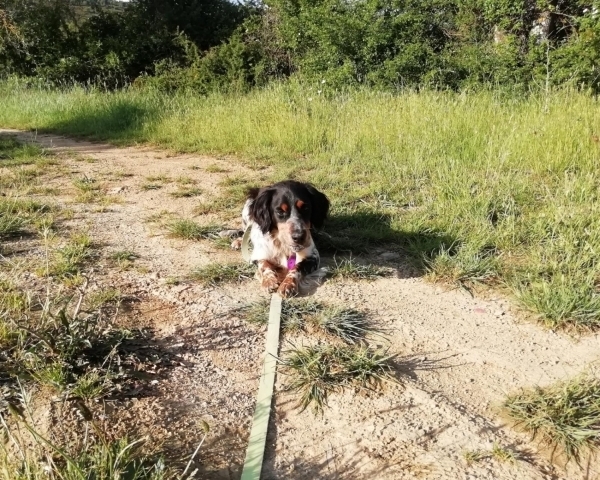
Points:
x=288 y=210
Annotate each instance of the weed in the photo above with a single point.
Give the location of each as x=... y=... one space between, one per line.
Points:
x=316 y=372
x=463 y=266
x=310 y=316
x=214 y=168
x=223 y=243
x=158 y=217
x=86 y=184
x=348 y=269
x=473 y=456
x=124 y=258
x=218 y=273
x=17 y=214
x=190 y=230
x=67 y=261
x=238 y=180
x=183 y=181
x=566 y=302
x=158 y=178
x=14 y=153
x=503 y=454
x=151 y=186
x=90 y=386
x=186 y=192
x=100 y=298
x=38 y=458
x=565 y=415
x=12 y=300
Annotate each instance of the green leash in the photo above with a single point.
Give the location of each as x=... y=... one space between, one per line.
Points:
x=260 y=422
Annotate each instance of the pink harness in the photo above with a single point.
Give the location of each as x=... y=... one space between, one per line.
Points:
x=291 y=263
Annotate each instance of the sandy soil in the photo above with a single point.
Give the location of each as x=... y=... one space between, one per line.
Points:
x=459 y=355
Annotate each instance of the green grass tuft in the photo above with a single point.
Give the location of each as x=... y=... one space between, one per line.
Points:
x=316 y=372
x=219 y=273
x=348 y=269
x=15 y=153
x=151 y=186
x=564 y=416
x=190 y=230
x=17 y=214
x=124 y=258
x=347 y=324
x=186 y=192
x=67 y=261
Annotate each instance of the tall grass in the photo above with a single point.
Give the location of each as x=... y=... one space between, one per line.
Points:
x=477 y=187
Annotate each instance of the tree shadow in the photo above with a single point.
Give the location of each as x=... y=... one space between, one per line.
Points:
x=370 y=235
x=122 y=119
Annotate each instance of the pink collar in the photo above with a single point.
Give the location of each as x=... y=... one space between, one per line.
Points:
x=291 y=262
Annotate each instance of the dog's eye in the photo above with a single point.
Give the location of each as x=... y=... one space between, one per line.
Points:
x=280 y=213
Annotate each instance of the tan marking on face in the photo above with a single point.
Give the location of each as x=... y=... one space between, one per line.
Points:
x=284 y=236
x=285 y=207
x=299 y=204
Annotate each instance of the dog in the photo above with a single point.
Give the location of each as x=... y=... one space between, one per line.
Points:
x=281 y=217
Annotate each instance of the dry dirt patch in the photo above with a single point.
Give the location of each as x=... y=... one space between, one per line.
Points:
x=460 y=355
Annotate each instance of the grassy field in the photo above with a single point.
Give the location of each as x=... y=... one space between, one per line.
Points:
x=473 y=188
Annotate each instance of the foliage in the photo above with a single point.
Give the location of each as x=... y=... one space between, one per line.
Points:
x=206 y=45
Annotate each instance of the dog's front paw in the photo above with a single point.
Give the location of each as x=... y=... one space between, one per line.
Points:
x=236 y=244
x=270 y=283
x=289 y=287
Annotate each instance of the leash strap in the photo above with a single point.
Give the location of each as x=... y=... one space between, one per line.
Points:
x=246 y=244
x=260 y=422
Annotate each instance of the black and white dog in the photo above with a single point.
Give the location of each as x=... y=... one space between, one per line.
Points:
x=281 y=218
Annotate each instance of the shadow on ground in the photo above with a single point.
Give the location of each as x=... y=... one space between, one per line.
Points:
x=119 y=120
x=369 y=238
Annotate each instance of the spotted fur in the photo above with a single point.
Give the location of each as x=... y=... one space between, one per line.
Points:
x=281 y=218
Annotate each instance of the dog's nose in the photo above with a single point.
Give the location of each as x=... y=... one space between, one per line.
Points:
x=298 y=236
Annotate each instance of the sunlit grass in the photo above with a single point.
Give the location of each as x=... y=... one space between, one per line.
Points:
x=475 y=188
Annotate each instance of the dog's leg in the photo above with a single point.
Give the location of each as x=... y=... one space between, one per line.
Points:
x=268 y=275
x=290 y=285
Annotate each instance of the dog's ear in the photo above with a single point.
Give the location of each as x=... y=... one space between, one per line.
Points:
x=320 y=207
x=260 y=210
x=252 y=193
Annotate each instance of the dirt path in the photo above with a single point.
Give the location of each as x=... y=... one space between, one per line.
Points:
x=463 y=354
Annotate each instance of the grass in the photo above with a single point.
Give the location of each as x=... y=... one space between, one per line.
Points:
x=219 y=273
x=565 y=416
x=474 y=187
x=186 y=192
x=124 y=258
x=503 y=454
x=18 y=215
x=316 y=372
x=474 y=456
x=66 y=261
x=349 y=269
x=158 y=178
x=39 y=458
x=347 y=324
x=15 y=153
x=214 y=168
x=189 y=230
x=151 y=186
